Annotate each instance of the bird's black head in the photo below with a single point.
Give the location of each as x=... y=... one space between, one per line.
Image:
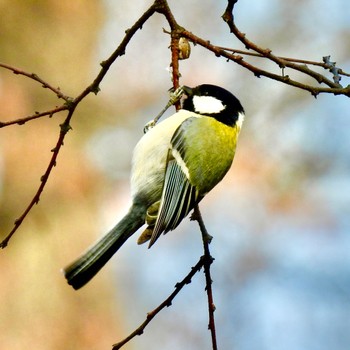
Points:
x=213 y=101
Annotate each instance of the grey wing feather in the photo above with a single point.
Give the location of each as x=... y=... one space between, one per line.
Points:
x=178 y=198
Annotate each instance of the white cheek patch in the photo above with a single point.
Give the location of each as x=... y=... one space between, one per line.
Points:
x=207 y=104
x=240 y=119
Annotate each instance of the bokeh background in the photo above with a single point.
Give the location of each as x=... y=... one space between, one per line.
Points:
x=280 y=219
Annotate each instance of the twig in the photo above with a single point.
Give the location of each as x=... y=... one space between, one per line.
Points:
x=205 y=261
x=288 y=59
x=120 y=51
x=176 y=31
x=260 y=72
x=35 y=77
x=64 y=128
x=71 y=105
x=163 y=8
x=166 y=303
x=36 y=115
x=334 y=87
x=208 y=260
x=267 y=53
x=175 y=64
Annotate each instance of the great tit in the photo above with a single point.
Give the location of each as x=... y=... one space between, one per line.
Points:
x=175 y=164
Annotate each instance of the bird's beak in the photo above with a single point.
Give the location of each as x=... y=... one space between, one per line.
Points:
x=187 y=90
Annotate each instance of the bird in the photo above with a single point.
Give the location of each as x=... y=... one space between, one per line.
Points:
x=174 y=165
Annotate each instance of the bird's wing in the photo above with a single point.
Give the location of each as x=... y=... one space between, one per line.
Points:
x=178 y=196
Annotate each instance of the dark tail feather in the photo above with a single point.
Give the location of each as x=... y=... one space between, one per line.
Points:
x=86 y=267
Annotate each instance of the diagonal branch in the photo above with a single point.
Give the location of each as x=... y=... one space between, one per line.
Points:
x=64 y=128
x=166 y=303
x=230 y=54
x=35 y=77
x=334 y=87
x=267 y=53
x=208 y=260
x=218 y=51
x=36 y=115
x=288 y=59
x=120 y=51
x=70 y=105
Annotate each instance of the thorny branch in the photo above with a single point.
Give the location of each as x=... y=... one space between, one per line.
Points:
x=208 y=260
x=70 y=105
x=64 y=128
x=36 y=115
x=205 y=261
x=166 y=303
x=334 y=87
x=178 y=32
x=35 y=77
x=326 y=64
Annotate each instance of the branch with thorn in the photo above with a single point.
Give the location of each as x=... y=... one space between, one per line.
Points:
x=204 y=262
x=177 y=32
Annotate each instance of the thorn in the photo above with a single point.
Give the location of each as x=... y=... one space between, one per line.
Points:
x=314 y=93
x=65 y=127
x=69 y=102
x=96 y=89
x=207 y=238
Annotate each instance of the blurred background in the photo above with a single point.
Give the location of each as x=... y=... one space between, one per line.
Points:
x=280 y=219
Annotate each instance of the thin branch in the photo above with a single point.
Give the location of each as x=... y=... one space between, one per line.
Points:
x=163 y=8
x=260 y=72
x=289 y=59
x=334 y=87
x=166 y=303
x=208 y=260
x=176 y=32
x=120 y=51
x=64 y=128
x=175 y=64
x=205 y=261
x=36 y=115
x=36 y=78
x=267 y=53
x=71 y=105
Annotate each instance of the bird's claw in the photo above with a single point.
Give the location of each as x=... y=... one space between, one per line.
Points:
x=174 y=97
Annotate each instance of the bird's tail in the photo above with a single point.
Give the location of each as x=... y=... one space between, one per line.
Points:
x=86 y=267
